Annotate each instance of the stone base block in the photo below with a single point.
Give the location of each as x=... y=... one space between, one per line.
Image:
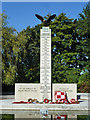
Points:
x=24 y=91
x=70 y=89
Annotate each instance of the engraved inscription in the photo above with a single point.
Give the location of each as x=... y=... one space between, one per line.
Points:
x=66 y=89
x=22 y=89
x=45 y=63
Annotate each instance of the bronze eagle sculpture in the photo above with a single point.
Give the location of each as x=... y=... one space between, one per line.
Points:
x=45 y=22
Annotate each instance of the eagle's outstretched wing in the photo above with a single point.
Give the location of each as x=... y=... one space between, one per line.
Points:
x=39 y=17
x=51 y=17
x=75 y=21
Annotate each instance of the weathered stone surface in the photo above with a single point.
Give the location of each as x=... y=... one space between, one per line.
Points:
x=8 y=106
x=28 y=116
x=31 y=116
x=84 y=96
x=24 y=91
x=68 y=117
x=70 y=89
x=45 y=63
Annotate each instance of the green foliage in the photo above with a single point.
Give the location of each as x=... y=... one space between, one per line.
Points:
x=83 y=117
x=84 y=82
x=83 y=48
x=8 y=62
x=28 y=56
x=64 y=54
x=7 y=116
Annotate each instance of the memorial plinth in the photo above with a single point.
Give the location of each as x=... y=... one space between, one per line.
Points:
x=43 y=90
x=24 y=91
x=45 y=63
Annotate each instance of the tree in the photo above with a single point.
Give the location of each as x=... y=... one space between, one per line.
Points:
x=83 y=48
x=20 y=54
x=28 y=56
x=8 y=63
x=64 y=54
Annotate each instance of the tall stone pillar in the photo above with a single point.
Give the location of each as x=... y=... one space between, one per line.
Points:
x=45 y=63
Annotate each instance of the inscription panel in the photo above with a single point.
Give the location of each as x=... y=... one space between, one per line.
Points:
x=45 y=63
x=45 y=55
x=24 y=91
x=70 y=89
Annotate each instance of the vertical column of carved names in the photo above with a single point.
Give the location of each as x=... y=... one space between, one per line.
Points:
x=45 y=62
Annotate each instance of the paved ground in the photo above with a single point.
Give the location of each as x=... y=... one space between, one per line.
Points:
x=33 y=110
x=6 y=104
x=63 y=112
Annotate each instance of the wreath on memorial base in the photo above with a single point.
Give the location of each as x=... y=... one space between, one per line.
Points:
x=30 y=100
x=73 y=101
x=46 y=100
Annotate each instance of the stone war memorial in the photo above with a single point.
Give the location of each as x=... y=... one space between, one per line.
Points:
x=45 y=89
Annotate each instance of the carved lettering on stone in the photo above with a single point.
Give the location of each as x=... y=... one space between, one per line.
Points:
x=45 y=63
